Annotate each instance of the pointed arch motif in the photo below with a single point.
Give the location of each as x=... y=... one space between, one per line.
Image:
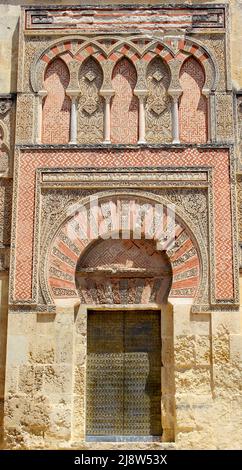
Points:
x=124 y=109
x=112 y=48
x=56 y=106
x=193 y=104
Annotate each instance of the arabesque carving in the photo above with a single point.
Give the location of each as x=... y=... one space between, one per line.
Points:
x=90 y=107
x=158 y=103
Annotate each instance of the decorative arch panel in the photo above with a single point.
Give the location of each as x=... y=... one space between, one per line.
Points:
x=56 y=107
x=124 y=109
x=193 y=104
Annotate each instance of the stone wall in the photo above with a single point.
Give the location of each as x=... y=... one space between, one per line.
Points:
x=45 y=390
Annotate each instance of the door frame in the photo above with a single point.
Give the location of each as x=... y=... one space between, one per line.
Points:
x=80 y=367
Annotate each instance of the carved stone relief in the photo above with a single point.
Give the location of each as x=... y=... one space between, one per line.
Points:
x=5 y=106
x=155 y=18
x=91 y=105
x=7 y=122
x=53 y=204
x=115 y=271
x=216 y=44
x=239 y=204
x=105 y=46
x=194 y=203
x=4 y=156
x=239 y=123
x=158 y=103
x=4 y=152
x=193 y=105
x=197 y=350
x=25 y=118
x=5 y=211
x=224 y=116
x=32 y=46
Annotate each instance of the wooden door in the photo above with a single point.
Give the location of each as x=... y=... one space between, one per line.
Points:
x=123 y=373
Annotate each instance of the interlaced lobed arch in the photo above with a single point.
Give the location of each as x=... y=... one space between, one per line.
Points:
x=78 y=48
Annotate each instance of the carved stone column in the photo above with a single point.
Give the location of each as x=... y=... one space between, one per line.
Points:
x=73 y=94
x=175 y=116
x=141 y=94
x=39 y=116
x=107 y=95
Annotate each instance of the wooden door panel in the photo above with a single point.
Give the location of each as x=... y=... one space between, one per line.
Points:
x=123 y=373
x=104 y=389
x=142 y=373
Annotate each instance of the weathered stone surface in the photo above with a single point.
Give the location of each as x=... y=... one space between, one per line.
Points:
x=184 y=351
x=80 y=351
x=227 y=378
x=18 y=349
x=60 y=423
x=203 y=350
x=64 y=351
x=42 y=350
x=221 y=346
x=57 y=379
x=32 y=415
x=197 y=379
x=26 y=379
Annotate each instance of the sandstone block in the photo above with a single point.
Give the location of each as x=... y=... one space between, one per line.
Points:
x=58 y=379
x=196 y=379
x=184 y=351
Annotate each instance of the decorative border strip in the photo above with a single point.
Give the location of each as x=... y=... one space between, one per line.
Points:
x=94 y=18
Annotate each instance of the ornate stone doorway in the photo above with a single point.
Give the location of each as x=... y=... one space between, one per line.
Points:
x=123 y=391
x=123 y=284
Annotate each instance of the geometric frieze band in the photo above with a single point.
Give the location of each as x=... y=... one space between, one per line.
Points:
x=102 y=177
x=126 y=18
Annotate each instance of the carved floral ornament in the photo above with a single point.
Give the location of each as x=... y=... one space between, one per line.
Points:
x=159 y=104
x=91 y=103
